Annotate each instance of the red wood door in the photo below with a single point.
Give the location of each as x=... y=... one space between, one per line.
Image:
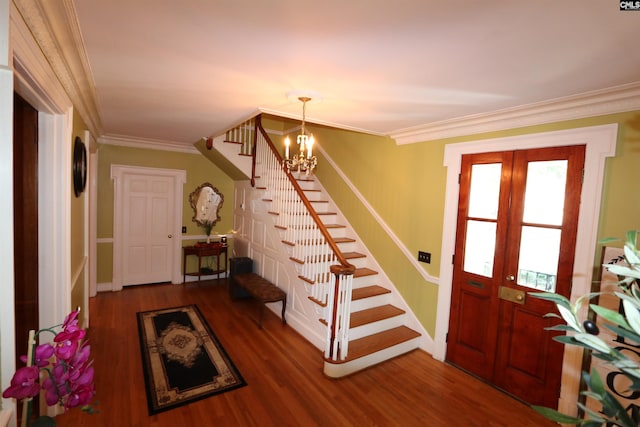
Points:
x=517 y=222
x=25 y=225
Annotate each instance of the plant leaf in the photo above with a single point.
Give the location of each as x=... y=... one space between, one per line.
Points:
x=565 y=339
x=610 y=315
x=632 y=314
x=554 y=415
x=555 y=298
x=630 y=255
x=625 y=333
x=620 y=270
x=569 y=317
x=593 y=342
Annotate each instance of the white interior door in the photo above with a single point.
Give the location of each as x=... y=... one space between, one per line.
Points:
x=148 y=218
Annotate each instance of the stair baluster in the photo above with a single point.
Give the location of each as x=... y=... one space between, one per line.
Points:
x=322 y=264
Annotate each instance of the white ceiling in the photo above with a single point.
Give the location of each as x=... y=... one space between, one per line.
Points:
x=178 y=70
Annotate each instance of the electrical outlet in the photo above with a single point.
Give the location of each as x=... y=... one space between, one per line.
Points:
x=424 y=257
x=184 y=228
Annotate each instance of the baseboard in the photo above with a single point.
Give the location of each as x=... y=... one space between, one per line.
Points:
x=104 y=287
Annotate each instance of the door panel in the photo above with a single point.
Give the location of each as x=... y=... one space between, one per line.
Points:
x=535 y=226
x=473 y=325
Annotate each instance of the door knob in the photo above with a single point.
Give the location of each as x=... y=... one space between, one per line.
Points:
x=510 y=277
x=170 y=236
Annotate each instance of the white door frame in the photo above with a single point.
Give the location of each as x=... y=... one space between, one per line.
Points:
x=600 y=143
x=117 y=175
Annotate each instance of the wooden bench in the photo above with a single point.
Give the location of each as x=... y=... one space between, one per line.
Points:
x=262 y=290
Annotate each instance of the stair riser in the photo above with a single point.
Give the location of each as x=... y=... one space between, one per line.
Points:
x=374 y=327
x=338 y=370
x=375 y=301
x=348 y=247
x=359 y=282
x=358 y=262
x=313 y=196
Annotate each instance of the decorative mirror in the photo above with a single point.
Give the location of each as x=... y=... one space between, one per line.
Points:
x=206 y=202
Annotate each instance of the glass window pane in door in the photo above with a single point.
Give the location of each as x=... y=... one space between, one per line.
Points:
x=479 y=249
x=484 y=190
x=538 y=261
x=544 y=193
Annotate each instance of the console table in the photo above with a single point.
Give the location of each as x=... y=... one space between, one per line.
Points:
x=204 y=250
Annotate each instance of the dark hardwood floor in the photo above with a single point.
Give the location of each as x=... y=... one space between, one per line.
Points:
x=286 y=386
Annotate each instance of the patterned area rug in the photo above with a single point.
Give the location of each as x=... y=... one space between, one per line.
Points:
x=182 y=358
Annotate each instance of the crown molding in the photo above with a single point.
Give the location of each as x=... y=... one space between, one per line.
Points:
x=147 y=144
x=55 y=29
x=618 y=99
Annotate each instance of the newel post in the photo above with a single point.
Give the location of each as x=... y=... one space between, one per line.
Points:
x=338 y=271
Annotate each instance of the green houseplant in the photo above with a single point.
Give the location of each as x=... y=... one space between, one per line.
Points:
x=625 y=323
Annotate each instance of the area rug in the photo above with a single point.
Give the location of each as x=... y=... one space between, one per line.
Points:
x=182 y=358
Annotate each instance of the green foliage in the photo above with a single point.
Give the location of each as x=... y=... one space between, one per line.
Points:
x=208 y=226
x=584 y=334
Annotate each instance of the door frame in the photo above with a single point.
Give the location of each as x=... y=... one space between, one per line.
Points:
x=117 y=174
x=600 y=143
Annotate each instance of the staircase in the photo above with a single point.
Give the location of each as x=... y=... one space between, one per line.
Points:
x=364 y=324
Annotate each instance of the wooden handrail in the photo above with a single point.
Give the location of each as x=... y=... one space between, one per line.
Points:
x=345 y=267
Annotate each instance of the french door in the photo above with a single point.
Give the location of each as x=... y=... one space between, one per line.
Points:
x=516 y=232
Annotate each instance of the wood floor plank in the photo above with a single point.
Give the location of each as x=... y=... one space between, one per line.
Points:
x=286 y=386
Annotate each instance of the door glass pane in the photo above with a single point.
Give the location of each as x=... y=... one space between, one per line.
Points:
x=484 y=190
x=479 y=247
x=538 y=262
x=544 y=194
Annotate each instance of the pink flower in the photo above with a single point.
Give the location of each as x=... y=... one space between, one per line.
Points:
x=24 y=383
x=80 y=396
x=71 y=320
x=67 y=343
x=69 y=379
x=42 y=355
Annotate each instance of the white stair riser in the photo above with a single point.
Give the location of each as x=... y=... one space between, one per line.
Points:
x=379 y=326
x=365 y=303
x=358 y=262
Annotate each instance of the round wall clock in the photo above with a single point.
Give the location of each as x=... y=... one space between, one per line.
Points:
x=79 y=166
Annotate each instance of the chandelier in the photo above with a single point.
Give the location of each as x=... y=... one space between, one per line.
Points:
x=304 y=161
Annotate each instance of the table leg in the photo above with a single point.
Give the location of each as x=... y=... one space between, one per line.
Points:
x=184 y=268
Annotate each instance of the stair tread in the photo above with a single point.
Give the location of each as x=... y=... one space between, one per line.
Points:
x=343 y=240
x=379 y=341
x=364 y=271
x=352 y=255
x=334 y=226
x=370 y=315
x=368 y=291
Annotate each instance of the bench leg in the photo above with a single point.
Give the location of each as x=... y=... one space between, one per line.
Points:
x=284 y=307
x=261 y=314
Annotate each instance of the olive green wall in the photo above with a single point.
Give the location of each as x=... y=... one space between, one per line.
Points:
x=405 y=184
x=78 y=264
x=199 y=170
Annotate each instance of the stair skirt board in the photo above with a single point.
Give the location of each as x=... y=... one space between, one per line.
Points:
x=339 y=370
